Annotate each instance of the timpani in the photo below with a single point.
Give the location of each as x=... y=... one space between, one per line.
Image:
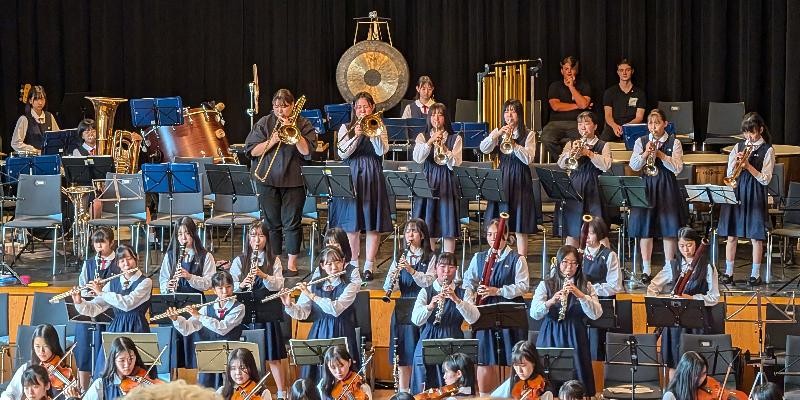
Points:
x=787 y=155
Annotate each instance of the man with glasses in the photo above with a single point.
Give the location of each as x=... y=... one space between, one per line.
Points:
x=276 y=167
x=623 y=103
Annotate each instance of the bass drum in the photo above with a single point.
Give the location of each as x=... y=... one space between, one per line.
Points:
x=200 y=135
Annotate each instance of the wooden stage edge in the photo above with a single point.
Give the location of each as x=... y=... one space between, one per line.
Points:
x=744 y=334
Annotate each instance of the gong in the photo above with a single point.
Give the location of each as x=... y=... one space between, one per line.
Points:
x=375 y=67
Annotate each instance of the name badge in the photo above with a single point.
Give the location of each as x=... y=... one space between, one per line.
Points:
x=632 y=101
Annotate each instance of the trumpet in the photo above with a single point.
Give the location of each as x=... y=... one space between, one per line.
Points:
x=574 y=154
x=439 y=152
x=387 y=297
x=440 y=305
x=732 y=180
x=59 y=297
x=188 y=308
x=296 y=287
x=172 y=284
x=288 y=134
x=506 y=143
x=562 y=313
x=650 y=168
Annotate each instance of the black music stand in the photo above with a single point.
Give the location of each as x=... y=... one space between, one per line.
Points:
x=632 y=345
x=497 y=316
x=94 y=323
x=608 y=319
x=558 y=186
x=159 y=303
x=625 y=192
x=403 y=308
x=713 y=195
x=81 y=171
x=408 y=184
x=674 y=312
x=230 y=180
x=558 y=364
x=481 y=184
x=271 y=311
x=312 y=351
x=327 y=182
x=437 y=351
x=61 y=142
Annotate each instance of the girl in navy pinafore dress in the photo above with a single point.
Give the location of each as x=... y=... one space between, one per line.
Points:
x=329 y=305
x=194 y=276
x=128 y=296
x=415 y=273
x=508 y=281
x=447 y=325
x=369 y=211
x=663 y=217
x=123 y=360
x=749 y=218
x=523 y=205
x=440 y=213
x=221 y=320
x=581 y=303
x=593 y=159
x=702 y=285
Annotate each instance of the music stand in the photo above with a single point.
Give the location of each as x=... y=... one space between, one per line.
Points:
x=608 y=319
x=94 y=323
x=625 y=192
x=713 y=195
x=327 y=182
x=480 y=184
x=632 y=345
x=146 y=343
x=472 y=133
x=558 y=186
x=503 y=315
x=164 y=111
x=674 y=312
x=271 y=311
x=230 y=180
x=436 y=351
x=125 y=189
x=36 y=165
x=212 y=356
x=404 y=130
x=312 y=351
x=558 y=363
x=81 y=171
x=61 y=142
x=403 y=308
x=159 y=303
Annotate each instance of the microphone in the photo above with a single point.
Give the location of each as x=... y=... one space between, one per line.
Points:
x=631 y=342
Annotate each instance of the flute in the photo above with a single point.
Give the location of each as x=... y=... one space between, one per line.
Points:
x=59 y=297
x=290 y=290
x=180 y=311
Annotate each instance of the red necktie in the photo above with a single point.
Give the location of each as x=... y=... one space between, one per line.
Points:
x=102 y=264
x=221 y=312
x=424 y=109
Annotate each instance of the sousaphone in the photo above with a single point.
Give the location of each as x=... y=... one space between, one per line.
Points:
x=373 y=66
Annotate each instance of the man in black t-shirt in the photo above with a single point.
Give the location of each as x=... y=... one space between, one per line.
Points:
x=623 y=103
x=567 y=98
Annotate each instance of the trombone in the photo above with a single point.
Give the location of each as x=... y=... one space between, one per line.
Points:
x=371 y=126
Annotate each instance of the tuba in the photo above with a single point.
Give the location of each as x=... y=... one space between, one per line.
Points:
x=125 y=148
x=104 y=110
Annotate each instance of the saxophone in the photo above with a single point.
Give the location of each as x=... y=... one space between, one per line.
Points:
x=173 y=282
x=562 y=313
x=440 y=305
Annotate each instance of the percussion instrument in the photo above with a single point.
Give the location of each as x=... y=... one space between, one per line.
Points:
x=200 y=135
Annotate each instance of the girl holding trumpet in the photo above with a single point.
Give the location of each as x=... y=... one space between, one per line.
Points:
x=517 y=151
x=660 y=157
x=258 y=270
x=127 y=294
x=439 y=150
x=564 y=301
x=220 y=320
x=409 y=275
x=750 y=166
x=369 y=210
x=584 y=159
x=329 y=304
x=439 y=310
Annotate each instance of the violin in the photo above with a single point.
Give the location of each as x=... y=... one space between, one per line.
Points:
x=245 y=392
x=439 y=393
x=60 y=376
x=349 y=388
x=528 y=389
x=713 y=390
x=139 y=377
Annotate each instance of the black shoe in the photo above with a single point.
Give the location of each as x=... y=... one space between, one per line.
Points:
x=755 y=281
x=646 y=278
x=726 y=279
x=368 y=276
x=289 y=273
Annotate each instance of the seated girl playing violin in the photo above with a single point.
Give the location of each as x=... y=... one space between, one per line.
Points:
x=124 y=371
x=458 y=377
x=242 y=378
x=339 y=381
x=690 y=381
x=45 y=351
x=528 y=381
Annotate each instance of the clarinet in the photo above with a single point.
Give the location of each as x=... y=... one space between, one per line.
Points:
x=562 y=313
x=251 y=273
x=173 y=282
x=387 y=297
x=440 y=305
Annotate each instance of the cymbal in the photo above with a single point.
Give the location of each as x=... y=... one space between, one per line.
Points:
x=375 y=67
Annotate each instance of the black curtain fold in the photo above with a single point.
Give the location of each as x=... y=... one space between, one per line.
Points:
x=710 y=50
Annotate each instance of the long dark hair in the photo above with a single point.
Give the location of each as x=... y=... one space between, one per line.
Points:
x=303 y=389
x=448 y=126
x=191 y=228
x=701 y=268
x=525 y=350
x=50 y=336
x=753 y=122
x=245 y=357
x=419 y=225
x=556 y=281
x=522 y=131
x=333 y=254
x=465 y=364
x=339 y=236
x=684 y=383
x=120 y=345
x=269 y=257
x=336 y=353
x=423 y=80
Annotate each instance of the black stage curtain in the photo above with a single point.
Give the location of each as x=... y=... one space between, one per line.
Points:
x=710 y=50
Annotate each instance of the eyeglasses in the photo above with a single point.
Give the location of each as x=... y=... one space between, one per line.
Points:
x=280 y=106
x=571 y=263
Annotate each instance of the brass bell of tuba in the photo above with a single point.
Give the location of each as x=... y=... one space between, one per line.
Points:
x=125 y=148
x=104 y=110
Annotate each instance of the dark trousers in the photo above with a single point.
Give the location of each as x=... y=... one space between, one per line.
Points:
x=608 y=134
x=556 y=134
x=283 y=212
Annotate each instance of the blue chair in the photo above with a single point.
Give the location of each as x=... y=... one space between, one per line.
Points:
x=24 y=343
x=44 y=312
x=316 y=118
x=5 y=344
x=163 y=334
